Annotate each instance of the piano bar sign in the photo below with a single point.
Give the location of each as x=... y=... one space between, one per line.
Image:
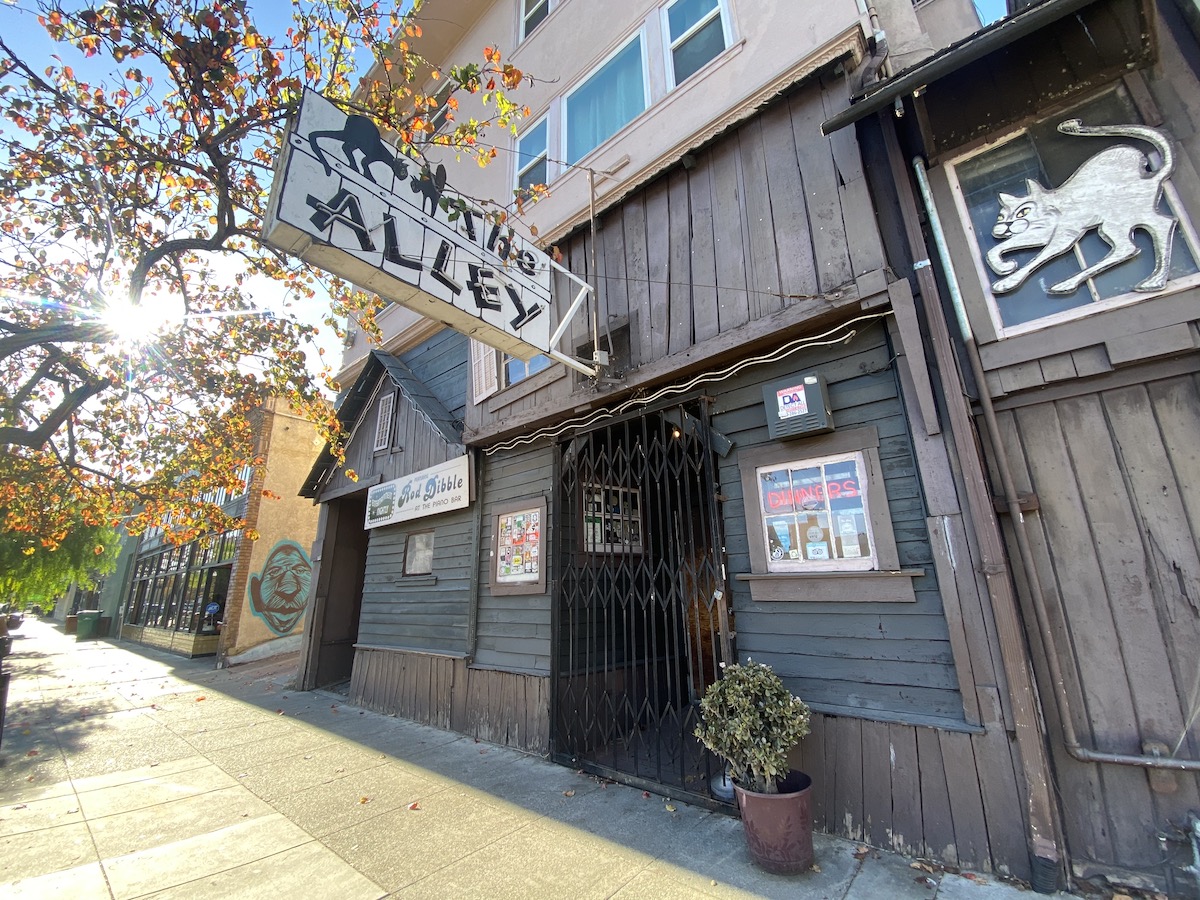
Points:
x=345 y=201
x=437 y=489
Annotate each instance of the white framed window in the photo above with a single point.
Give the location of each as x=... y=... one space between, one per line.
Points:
x=515 y=370
x=383 y=422
x=533 y=13
x=492 y=371
x=814 y=514
x=608 y=99
x=418 y=554
x=1013 y=190
x=441 y=113
x=532 y=161
x=694 y=32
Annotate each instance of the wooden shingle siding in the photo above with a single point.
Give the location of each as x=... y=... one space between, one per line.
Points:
x=891 y=660
x=418 y=612
x=513 y=630
x=759 y=222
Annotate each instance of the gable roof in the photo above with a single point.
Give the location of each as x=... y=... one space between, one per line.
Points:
x=353 y=403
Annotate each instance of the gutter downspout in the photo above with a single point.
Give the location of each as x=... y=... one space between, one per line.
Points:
x=1024 y=549
x=1031 y=752
x=476 y=542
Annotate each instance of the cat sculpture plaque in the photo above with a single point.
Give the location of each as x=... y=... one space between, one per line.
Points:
x=1115 y=192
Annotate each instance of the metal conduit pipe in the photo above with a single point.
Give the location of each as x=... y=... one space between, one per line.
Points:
x=1024 y=549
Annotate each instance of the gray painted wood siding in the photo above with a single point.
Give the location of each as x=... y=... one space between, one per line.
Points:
x=419 y=612
x=441 y=363
x=891 y=660
x=513 y=630
x=760 y=223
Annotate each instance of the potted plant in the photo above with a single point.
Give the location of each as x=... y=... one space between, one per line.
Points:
x=749 y=719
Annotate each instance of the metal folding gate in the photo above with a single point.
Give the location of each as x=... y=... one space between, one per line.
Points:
x=642 y=620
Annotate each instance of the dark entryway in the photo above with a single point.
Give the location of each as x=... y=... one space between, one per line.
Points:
x=343 y=549
x=642 y=619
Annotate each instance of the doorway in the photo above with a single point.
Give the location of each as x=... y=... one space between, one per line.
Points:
x=642 y=620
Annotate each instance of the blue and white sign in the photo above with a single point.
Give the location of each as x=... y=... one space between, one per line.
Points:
x=434 y=490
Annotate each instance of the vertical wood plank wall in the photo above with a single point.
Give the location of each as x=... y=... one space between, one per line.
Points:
x=1117 y=476
x=502 y=707
x=759 y=223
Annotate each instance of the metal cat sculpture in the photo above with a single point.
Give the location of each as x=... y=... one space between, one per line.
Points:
x=1114 y=192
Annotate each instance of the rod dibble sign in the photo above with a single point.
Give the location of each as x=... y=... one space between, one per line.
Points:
x=344 y=201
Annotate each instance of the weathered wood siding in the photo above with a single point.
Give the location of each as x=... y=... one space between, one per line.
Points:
x=441 y=364
x=513 y=630
x=892 y=660
x=758 y=225
x=503 y=707
x=1116 y=535
x=419 y=612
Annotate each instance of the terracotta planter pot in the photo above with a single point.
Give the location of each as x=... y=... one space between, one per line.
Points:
x=779 y=827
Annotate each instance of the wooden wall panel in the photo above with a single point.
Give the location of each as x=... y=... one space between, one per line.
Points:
x=1115 y=541
x=894 y=659
x=502 y=707
x=513 y=630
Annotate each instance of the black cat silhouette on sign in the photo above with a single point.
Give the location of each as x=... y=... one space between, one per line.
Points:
x=360 y=136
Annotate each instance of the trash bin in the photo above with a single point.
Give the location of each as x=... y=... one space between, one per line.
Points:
x=87 y=624
x=72 y=621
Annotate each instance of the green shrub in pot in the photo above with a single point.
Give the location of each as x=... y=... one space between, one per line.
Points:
x=749 y=719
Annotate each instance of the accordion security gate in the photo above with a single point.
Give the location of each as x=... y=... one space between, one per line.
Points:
x=642 y=618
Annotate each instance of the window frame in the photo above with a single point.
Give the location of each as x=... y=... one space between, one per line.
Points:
x=638 y=35
x=721 y=10
x=886 y=582
x=408 y=552
x=519 y=169
x=523 y=13
x=527 y=583
x=984 y=276
x=384 y=427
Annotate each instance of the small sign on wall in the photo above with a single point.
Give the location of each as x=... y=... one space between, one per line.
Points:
x=797 y=405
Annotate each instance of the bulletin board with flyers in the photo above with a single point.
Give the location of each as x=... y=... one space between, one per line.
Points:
x=518 y=547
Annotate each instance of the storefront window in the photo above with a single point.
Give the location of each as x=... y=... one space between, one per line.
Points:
x=814 y=515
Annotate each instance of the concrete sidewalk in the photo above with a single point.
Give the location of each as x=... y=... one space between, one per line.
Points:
x=132 y=773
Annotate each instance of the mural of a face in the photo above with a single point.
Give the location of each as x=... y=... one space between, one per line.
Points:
x=279 y=592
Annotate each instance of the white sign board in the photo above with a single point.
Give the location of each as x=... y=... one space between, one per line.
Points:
x=344 y=201
x=434 y=490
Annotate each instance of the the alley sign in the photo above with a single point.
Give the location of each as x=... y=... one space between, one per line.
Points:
x=434 y=490
x=344 y=201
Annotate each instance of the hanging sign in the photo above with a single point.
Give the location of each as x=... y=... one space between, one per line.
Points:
x=343 y=200
x=434 y=490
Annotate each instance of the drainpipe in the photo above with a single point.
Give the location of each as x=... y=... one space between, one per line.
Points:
x=1024 y=549
x=476 y=541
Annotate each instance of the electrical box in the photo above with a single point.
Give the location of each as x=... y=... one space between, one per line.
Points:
x=797 y=405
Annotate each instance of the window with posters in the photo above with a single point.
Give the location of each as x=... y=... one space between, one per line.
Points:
x=814 y=514
x=612 y=519
x=518 y=548
x=818 y=524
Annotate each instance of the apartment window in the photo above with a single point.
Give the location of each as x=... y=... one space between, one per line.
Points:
x=533 y=12
x=609 y=99
x=418 y=554
x=531 y=157
x=383 y=424
x=695 y=34
x=1008 y=194
x=441 y=111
